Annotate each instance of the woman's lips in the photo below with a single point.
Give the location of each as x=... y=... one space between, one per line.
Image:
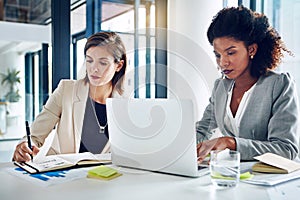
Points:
x=95 y=77
x=227 y=71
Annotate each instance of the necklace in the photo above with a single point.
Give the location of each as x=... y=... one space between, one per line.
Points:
x=101 y=128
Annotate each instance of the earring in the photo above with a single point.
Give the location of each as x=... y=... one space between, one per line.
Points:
x=252 y=56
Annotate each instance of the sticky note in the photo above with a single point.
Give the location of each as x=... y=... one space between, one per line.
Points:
x=103 y=172
x=246 y=175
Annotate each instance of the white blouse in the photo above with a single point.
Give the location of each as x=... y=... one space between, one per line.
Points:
x=233 y=123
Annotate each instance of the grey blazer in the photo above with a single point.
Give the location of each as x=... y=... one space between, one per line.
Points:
x=269 y=123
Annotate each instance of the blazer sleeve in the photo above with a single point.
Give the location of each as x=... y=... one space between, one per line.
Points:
x=208 y=122
x=282 y=134
x=47 y=119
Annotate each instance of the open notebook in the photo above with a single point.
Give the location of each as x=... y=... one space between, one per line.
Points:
x=272 y=163
x=64 y=161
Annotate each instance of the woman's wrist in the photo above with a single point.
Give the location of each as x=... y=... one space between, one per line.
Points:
x=230 y=143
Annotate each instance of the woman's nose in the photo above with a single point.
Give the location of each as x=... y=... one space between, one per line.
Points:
x=98 y=69
x=93 y=67
x=224 y=62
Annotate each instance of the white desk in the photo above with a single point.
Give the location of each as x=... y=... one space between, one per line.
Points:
x=130 y=186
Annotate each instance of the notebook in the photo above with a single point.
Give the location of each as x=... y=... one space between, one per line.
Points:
x=272 y=163
x=64 y=161
x=154 y=134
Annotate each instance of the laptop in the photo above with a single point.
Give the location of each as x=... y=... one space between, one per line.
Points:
x=154 y=135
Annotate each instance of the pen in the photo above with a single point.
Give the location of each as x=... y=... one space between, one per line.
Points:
x=28 y=137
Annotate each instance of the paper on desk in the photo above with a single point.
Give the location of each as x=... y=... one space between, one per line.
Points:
x=45 y=148
x=47 y=144
x=272 y=179
x=49 y=178
x=289 y=190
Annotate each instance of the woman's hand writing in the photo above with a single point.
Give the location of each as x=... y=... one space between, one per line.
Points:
x=23 y=152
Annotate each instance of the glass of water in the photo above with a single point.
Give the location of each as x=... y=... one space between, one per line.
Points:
x=224 y=168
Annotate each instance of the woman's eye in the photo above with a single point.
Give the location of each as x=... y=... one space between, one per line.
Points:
x=231 y=53
x=103 y=63
x=89 y=61
x=217 y=55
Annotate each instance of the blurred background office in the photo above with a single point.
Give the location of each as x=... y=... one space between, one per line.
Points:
x=42 y=41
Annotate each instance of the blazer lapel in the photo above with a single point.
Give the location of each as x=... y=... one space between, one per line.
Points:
x=221 y=102
x=80 y=97
x=250 y=108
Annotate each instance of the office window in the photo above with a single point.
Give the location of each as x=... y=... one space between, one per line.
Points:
x=78 y=18
x=124 y=25
x=230 y=3
x=286 y=19
x=80 y=58
x=119 y=17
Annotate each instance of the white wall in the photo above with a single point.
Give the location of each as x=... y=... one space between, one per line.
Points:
x=191 y=65
x=11 y=31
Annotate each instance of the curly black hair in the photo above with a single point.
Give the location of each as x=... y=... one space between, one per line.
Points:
x=251 y=27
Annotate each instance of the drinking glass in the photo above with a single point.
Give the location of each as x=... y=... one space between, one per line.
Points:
x=224 y=168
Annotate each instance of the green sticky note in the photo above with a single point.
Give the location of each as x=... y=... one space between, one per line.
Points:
x=102 y=171
x=246 y=175
x=219 y=176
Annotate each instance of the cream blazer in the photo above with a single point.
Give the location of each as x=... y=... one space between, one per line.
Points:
x=64 y=114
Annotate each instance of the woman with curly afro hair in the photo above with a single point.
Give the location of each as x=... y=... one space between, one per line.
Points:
x=254 y=107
